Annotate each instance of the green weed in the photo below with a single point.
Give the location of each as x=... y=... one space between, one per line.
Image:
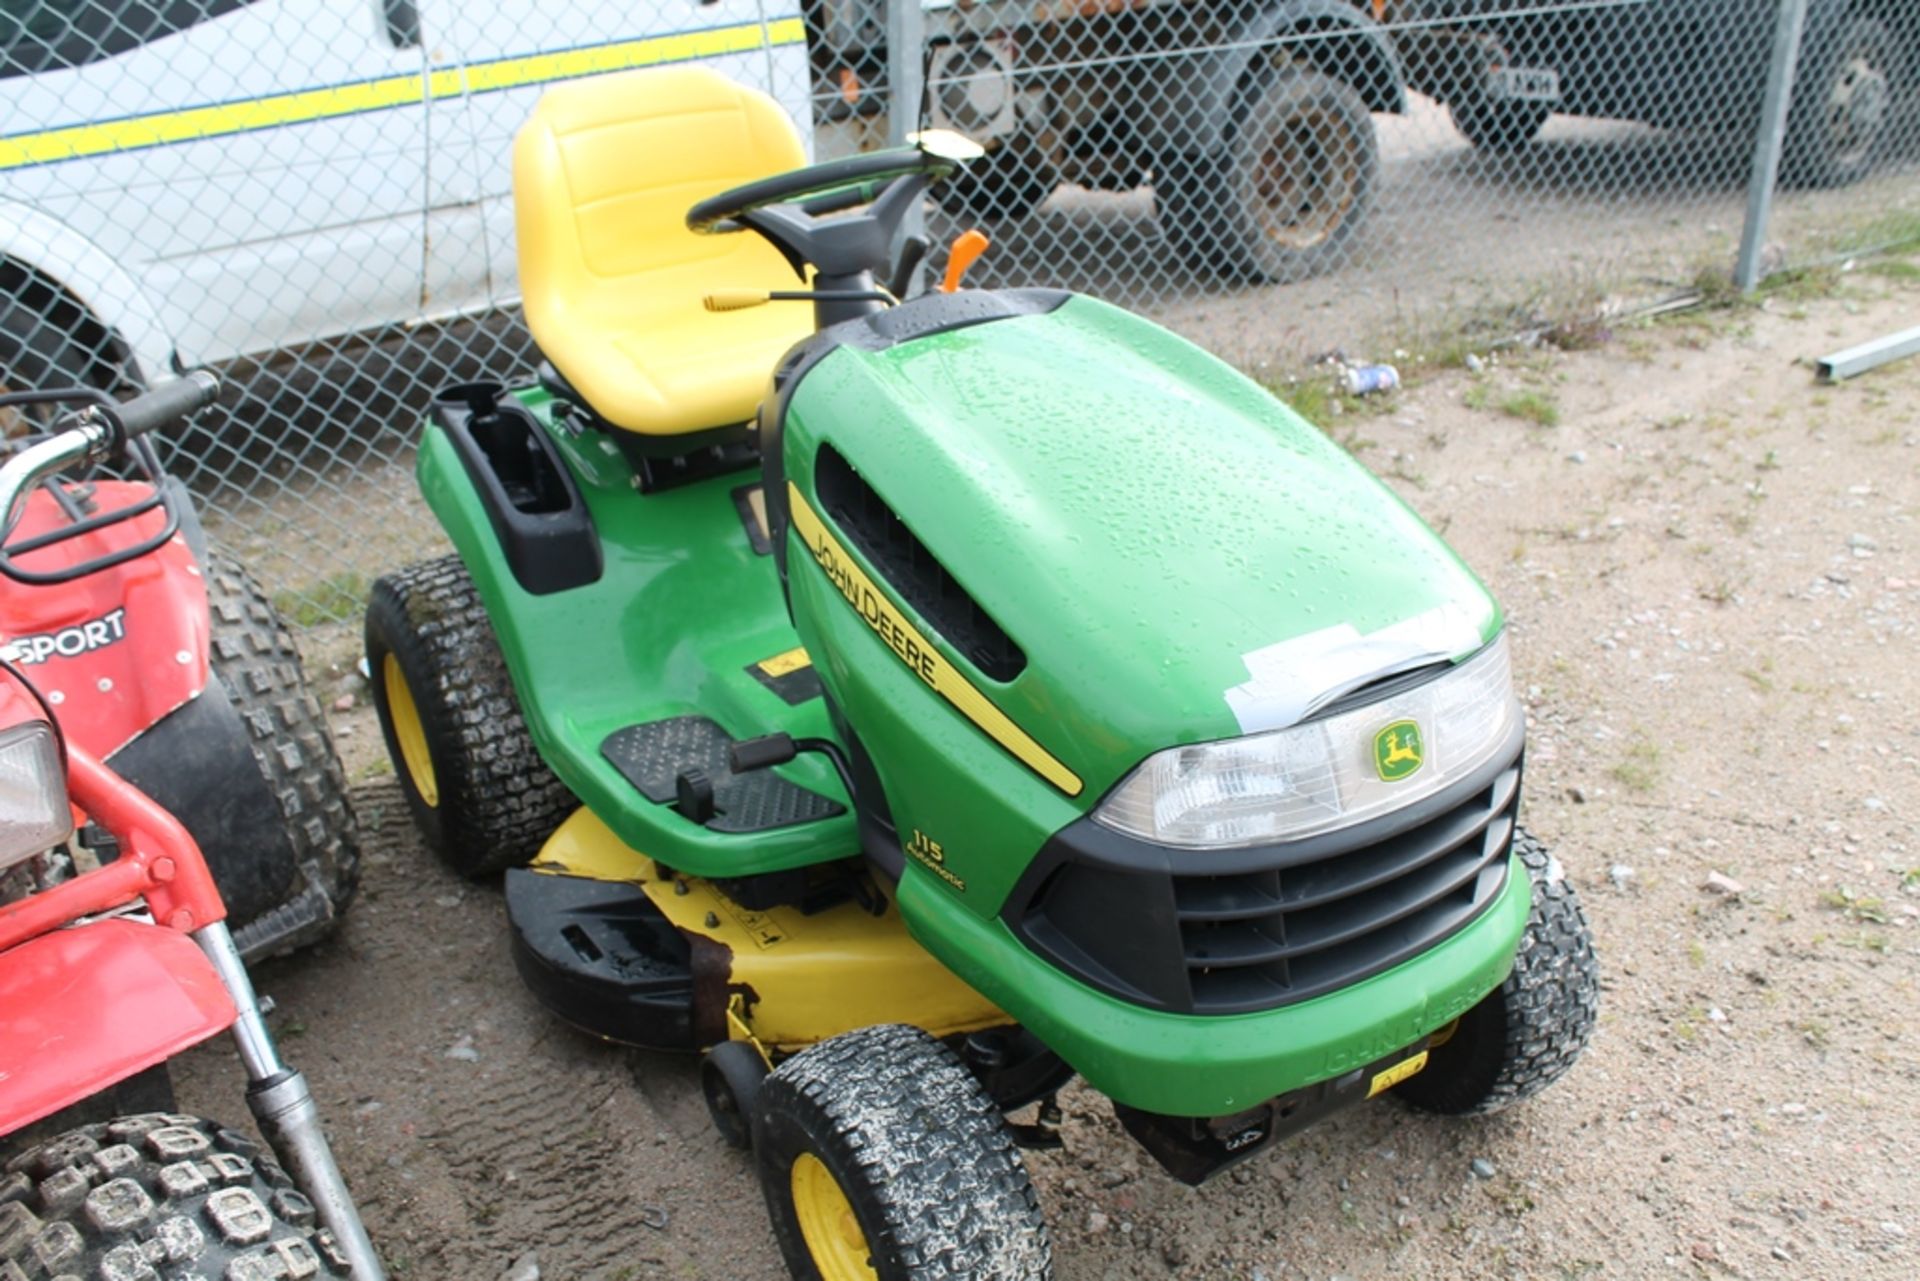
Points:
x=334 y=599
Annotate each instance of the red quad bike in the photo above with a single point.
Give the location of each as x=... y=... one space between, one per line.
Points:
x=118 y=955
x=162 y=657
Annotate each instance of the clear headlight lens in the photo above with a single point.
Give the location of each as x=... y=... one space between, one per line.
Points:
x=33 y=792
x=1325 y=774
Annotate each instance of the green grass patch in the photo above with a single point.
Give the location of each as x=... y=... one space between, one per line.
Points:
x=1890 y=233
x=1536 y=407
x=1894 y=269
x=333 y=599
x=1320 y=402
x=1641 y=769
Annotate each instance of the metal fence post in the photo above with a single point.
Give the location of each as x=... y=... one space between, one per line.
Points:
x=1769 y=142
x=906 y=82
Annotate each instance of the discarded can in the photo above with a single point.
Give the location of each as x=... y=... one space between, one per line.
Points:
x=1365 y=380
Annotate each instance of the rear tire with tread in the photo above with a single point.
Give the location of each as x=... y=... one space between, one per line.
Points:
x=1526 y=1034
x=254 y=658
x=923 y=1159
x=497 y=801
x=158 y=1194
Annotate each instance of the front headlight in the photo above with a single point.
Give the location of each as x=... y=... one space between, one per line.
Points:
x=1325 y=774
x=34 y=814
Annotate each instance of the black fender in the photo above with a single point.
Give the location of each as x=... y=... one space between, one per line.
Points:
x=1189 y=106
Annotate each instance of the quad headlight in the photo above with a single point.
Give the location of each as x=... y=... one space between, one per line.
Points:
x=1324 y=774
x=34 y=814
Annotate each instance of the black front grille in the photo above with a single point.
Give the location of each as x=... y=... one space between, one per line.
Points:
x=1260 y=928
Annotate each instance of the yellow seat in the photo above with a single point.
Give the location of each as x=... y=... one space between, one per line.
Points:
x=603 y=174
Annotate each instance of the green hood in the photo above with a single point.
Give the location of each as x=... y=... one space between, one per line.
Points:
x=1180 y=556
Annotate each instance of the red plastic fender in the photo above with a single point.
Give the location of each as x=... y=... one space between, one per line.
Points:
x=89 y=1007
x=119 y=649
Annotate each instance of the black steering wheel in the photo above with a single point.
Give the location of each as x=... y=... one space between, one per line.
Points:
x=841 y=184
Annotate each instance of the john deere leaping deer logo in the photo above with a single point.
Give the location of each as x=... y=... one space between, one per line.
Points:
x=1397 y=751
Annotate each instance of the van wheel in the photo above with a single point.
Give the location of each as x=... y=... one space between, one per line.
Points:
x=882 y=1159
x=480 y=794
x=1526 y=1034
x=158 y=1194
x=36 y=354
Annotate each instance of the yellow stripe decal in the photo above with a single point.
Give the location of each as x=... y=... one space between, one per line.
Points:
x=217 y=120
x=912 y=647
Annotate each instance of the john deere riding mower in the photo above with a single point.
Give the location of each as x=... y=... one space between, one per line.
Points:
x=912 y=704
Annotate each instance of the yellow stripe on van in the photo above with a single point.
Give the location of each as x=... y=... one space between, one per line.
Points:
x=189 y=124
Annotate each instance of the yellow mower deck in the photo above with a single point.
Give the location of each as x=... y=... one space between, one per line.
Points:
x=589 y=907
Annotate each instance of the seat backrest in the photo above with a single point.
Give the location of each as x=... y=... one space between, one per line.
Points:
x=604 y=171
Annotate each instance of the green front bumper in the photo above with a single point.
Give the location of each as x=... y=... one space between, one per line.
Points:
x=1215 y=1065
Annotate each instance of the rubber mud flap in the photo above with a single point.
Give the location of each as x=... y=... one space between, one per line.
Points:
x=197 y=763
x=601 y=956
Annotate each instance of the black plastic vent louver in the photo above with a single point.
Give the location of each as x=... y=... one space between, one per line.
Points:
x=910 y=569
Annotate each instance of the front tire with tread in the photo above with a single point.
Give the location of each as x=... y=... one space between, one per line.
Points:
x=158 y=1194
x=925 y=1163
x=495 y=801
x=1526 y=1033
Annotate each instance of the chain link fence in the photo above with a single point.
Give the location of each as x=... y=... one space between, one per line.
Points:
x=316 y=194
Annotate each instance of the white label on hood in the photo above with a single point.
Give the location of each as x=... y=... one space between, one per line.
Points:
x=1295 y=678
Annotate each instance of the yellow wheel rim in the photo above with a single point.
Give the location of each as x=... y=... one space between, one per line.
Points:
x=832 y=1234
x=409 y=732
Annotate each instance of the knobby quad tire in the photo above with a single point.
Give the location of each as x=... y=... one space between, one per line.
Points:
x=1498 y=126
x=1526 y=1034
x=1844 y=109
x=255 y=660
x=929 y=1175
x=495 y=801
x=158 y=1195
x=1292 y=187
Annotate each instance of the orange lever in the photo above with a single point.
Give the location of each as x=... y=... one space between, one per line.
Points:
x=966 y=251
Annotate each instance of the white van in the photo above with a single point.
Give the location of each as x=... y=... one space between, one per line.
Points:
x=184 y=181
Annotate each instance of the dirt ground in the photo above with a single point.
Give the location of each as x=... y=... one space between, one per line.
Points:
x=1709 y=564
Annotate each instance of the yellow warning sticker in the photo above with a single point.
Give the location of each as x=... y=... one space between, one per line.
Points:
x=1397 y=1073
x=781 y=664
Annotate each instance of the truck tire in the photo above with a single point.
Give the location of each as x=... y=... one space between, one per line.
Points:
x=1286 y=196
x=881 y=1155
x=1526 y=1034
x=1496 y=125
x=1843 y=114
x=254 y=658
x=480 y=794
x=154 y=1195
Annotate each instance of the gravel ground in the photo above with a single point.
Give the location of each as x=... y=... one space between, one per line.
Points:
x=1709 y=566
